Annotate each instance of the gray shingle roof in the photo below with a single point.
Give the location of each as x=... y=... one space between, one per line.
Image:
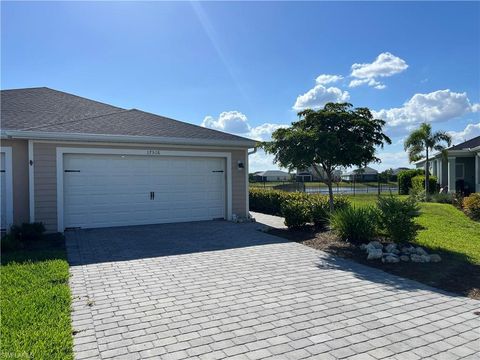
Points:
x=48 y=110
x=469 y=144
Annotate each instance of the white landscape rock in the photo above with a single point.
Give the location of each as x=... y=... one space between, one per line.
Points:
x=391 y=254
x=390 y=248
x=420 y=251
x=408 y=250
x=435 y=258
x=390 y=259
x=416 y=258
x=376 y=244
x=374 y=254
x=420 y=258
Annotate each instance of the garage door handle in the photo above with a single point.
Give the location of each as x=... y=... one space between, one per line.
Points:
x=152 y=195
x=221 y=171
x=72 y=170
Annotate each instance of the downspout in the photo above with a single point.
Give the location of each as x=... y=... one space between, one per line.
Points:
x=247 y=182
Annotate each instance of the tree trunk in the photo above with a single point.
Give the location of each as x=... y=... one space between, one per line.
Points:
x=328 y=171
x=330 y=192
x=427 y=177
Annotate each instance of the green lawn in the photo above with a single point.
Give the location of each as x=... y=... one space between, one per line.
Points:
x=444 y=227
x=447 y=228
x=35 y=303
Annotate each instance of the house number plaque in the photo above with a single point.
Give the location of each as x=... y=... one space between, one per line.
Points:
x=153 y=152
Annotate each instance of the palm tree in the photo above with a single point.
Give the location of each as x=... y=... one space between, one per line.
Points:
x=421 y=142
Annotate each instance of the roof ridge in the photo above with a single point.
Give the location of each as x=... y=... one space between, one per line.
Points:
x=66 y=93
x=84 y=98
x=27 y=88
x=76 y=120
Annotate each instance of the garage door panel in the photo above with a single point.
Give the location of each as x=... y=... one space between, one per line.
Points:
x=114 y=190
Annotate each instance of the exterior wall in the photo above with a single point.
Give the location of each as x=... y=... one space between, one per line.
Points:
x=21 y=212
x=45 y=176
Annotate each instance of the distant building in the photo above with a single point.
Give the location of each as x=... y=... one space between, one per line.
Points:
x=364 y=174
x=272 y=175
x=306 y=175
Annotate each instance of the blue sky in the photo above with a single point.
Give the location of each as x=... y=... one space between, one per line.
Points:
x=248 y=67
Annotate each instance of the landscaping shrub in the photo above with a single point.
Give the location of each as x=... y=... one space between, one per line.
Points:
x=442 y=198
x=320 y=208
x=418 y=184
x=269 y=201
x=27 y=232
x=355 y=225
x=297 y=212
x=471 y=206
x=405 y=180
x=396 y=218
x=8 y=243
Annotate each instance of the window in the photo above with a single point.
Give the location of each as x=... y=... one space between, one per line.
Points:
x=459 y=171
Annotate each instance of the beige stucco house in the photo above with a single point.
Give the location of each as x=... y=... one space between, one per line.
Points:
x=71 y=162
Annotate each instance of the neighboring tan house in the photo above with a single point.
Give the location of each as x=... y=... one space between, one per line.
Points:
x=310 y=174
x=364 y=174
x=71 y=162
x=459 y=170
x=272 y=175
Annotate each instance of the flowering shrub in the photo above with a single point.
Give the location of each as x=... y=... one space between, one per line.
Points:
x=471 y=206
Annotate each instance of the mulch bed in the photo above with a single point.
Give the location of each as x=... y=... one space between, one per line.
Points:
x=453 y=273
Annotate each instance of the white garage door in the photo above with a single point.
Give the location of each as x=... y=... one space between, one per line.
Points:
x=119 y=190
x=3 y=193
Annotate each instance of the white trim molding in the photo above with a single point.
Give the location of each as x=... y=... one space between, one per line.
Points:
x=247 y=186
x=44 y=135
x=7 y=150
x=31 y=181
x=147 y=152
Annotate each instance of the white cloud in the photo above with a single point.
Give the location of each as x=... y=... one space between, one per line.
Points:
x=228 y=121
x=328 y=79
x=260 y=161
x=392 y=159
x=470 y=131
x=317 y=97
x=385 y=65
x=236 y=122
x=371 y=82
x=437 y=106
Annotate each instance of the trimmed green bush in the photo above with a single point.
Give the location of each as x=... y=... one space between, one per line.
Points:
x=320 y=208
x=405 y=180
x=270 y=202
x=396 y=218
x=355 y=225
x=418 y=184
x=442 y=198
x=296 y=213
x=27 y=232
x=8 y=243
x=471 y=206
x=267 y=201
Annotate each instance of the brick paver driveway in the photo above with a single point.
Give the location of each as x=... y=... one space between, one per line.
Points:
x=221 y=290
